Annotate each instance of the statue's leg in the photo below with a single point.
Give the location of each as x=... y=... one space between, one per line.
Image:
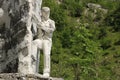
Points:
x=36 y=45
x=46 y=51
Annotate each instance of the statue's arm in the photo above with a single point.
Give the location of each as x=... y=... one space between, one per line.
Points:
x=52 y=26
x=49 y=29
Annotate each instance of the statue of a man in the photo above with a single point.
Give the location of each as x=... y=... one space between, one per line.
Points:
x=45 y=28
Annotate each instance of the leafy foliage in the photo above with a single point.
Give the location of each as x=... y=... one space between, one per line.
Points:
x=114 y=19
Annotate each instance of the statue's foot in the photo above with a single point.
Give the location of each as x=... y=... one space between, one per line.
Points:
x=46 y=75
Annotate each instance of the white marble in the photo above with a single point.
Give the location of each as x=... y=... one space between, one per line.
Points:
x=16 y=20
x=26 y=60
x=45 y=27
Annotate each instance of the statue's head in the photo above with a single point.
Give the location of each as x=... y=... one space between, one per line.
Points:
x=45 y=13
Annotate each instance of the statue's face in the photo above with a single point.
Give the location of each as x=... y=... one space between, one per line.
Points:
x=45 y=15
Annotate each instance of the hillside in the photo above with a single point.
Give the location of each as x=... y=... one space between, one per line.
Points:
x=86 y=43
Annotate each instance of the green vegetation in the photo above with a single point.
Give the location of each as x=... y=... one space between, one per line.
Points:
x=85 y=46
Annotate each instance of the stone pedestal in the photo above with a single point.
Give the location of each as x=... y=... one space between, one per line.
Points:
x=17 y=76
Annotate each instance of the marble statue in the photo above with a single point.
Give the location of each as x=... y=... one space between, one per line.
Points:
x=45 y=28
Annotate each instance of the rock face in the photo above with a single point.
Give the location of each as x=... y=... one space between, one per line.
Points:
x=95 y=11
x=16 y=34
